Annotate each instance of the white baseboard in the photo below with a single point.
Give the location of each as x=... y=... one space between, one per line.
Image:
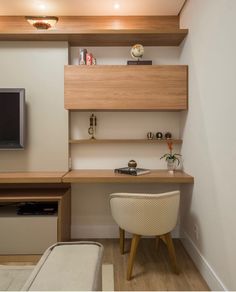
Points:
x=103 y=231
x=203 y=266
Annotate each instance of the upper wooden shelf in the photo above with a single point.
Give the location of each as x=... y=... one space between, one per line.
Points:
x=31 y=177
x=147 y=141
x=108 y=176
x=99 y=30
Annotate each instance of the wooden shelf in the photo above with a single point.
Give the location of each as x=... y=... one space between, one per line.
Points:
x=108 y=176
x=31 y=177
x=99 y=30
x=146 y=141
x=31 y=195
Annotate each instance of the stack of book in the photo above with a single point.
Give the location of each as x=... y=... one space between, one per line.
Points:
x=132 y=170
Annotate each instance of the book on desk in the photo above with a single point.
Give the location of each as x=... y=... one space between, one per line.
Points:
x=132 y=171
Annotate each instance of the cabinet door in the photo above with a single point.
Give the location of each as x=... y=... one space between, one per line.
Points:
x=27 y=234
x=126 y=87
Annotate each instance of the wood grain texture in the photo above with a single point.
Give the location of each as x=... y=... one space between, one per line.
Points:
x=34 y=185
x=64 y=216
x=19 y=195
x=19 y=259
x=31 y=177
x=118 y=141
x=171 y=251
x=122 y=240
x=108 y=176
x=133 y=251
x=99 y=30
x=119 y=87
x=152 y=271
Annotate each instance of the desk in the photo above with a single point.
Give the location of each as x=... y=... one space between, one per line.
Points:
x=55 y=186
x=108 y=176
x=93 y=176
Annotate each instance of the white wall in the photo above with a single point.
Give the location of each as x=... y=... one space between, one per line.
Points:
x=39 y=68
x=209 y=138
x=90 y=209
x=115 y=125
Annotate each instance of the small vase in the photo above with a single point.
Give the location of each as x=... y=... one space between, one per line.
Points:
x=171 y=165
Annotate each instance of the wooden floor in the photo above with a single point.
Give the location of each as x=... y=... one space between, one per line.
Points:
x=151 y=268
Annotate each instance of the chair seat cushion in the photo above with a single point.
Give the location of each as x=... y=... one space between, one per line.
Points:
x=68 y=266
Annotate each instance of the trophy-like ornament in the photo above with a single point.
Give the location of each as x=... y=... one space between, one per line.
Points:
x=92 y=124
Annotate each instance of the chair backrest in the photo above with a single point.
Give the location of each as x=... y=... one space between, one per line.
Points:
x=145 y=214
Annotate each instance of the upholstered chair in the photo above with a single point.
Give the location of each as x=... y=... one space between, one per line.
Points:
x=148 y=215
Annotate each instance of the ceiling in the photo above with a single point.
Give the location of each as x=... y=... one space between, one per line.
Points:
x=90 y=7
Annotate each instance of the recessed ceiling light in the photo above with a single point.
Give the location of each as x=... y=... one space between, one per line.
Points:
x=116 y=6
x=42 y=6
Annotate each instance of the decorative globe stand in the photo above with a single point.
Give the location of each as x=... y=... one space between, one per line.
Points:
x=136 y=53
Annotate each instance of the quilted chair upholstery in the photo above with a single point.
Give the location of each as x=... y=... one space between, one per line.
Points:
x=148 y=215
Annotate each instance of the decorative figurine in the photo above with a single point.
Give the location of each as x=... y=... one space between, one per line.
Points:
x=89 y=59
x=168 y=135
x=159 y=135
x=94 y=61
x=93 y=124
x=82 y=56
x=150 y=135
x=132 y=164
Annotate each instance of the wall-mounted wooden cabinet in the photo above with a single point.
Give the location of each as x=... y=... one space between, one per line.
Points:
x=126 y=87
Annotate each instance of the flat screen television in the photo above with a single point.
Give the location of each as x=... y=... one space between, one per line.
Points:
x=12 y=118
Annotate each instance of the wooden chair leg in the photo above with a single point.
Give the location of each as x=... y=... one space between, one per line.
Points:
x=122 y=241
x=134 y=245
x=157 y=242
x=171 y=251
x=162 y=237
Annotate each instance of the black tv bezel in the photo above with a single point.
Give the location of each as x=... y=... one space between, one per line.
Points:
x=21 y=144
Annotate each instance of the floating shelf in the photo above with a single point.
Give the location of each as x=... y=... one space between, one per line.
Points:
x=146 y=141
x=99 y=30
x=108 y=176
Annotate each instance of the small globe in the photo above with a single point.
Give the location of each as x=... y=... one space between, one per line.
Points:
x=137 y=51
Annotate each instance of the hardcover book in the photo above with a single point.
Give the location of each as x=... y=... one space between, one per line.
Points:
x=138 y=62
x=132 y=171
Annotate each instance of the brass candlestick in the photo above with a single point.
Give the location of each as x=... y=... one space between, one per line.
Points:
x=93 y=124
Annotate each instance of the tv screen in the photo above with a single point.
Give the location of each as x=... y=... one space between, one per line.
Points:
x=12 y=118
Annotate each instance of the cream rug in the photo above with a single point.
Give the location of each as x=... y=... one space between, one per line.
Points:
x=12 y=278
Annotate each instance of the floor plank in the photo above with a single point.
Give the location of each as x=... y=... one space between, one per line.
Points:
x=152 y=269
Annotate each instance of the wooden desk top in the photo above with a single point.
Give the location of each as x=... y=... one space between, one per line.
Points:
x=93 y=176
x=31 y=177
x=108 y=176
